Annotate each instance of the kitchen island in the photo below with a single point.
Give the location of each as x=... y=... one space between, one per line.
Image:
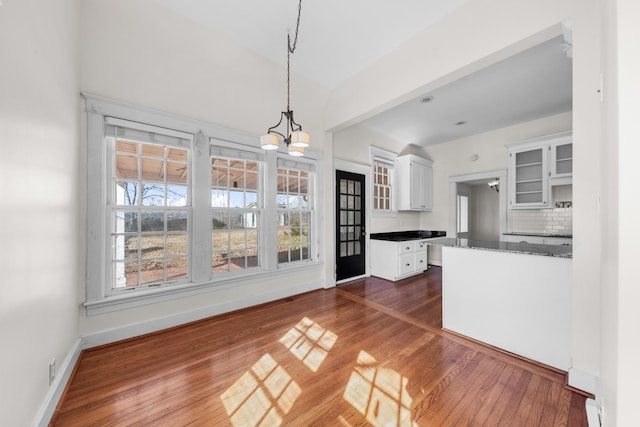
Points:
x=514 y=296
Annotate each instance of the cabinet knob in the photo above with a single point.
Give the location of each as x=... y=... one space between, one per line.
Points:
x=421 y=261
x=408 y=247
x=407 y=264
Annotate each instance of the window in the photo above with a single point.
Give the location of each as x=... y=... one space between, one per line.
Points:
x=295 y=209
x=463 y=213
x=382 y=179
x=175 y=206
x=236 y=204
x=148 y=205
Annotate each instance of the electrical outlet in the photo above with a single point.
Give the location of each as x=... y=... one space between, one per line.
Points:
x=52 y=371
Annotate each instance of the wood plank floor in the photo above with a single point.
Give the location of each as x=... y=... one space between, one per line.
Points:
x=370 y=352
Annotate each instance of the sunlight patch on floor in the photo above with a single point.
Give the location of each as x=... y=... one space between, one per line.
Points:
x=262 y=396
x=380 y=394
x=309 y=342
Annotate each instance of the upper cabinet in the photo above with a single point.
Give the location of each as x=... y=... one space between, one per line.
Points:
x=414 y=183
x=561 y=152
x=535 y=166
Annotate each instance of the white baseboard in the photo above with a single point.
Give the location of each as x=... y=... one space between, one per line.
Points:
x=583 y=381
x=43 y=417
x=152 y=325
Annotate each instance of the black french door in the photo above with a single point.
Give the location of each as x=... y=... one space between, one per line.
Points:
x=350 y=222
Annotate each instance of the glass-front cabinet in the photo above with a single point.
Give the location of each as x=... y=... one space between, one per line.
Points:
x=535 y=165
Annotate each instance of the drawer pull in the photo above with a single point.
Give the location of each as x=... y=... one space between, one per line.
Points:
x=408 y=247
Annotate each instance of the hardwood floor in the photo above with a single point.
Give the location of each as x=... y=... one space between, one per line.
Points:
x=370 y=352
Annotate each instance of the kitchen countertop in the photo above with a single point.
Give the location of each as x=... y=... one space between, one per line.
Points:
x=402 y=236
x=521 y=248
x=516 y=233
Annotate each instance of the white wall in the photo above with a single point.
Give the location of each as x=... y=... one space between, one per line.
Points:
x=142 y=53
x=352 y=144
x=479 y=33
x=484 y=222
x=620 y=205
x=41 y=231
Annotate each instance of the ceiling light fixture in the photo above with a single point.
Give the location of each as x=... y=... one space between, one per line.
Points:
x=494 y=184
x=295 y=138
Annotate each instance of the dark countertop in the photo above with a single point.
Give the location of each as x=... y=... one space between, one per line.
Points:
x=401 y=236
x=560 y=251
x=516 y=233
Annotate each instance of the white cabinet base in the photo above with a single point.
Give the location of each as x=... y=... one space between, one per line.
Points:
x=520 y=303
x=397 y=260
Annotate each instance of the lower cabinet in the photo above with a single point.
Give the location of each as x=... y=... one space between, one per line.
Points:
x=396 y=260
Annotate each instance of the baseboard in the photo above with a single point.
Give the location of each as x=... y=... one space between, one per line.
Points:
x=43 y=417
x=583 y=381
x=153 y=325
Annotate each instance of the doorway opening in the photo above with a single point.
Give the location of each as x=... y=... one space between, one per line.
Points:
x=478 y=205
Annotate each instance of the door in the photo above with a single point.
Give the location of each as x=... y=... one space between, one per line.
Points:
x=350 y=221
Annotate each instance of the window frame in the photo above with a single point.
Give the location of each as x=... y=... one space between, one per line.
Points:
x=388 y=157
x=300 y=165
x=98 y=258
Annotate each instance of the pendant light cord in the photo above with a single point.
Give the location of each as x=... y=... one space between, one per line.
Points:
x=290 y=50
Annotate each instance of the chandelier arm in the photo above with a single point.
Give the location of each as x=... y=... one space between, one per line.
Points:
x=270 y=130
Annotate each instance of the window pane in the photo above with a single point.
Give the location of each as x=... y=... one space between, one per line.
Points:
x=177 y=172
x=176 y=268
x=126 y=167
x=177 y=154
x=152 y=222
x=127 y=193
x=177 y=195
x=152 y=271
x=153 y=170
x=177 y=245
x=152 y=194
x=219 y=198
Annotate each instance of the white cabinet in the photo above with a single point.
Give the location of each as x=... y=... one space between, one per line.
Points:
x=561 y=164
x=414 y=187
x=397 y=260
x=536 y=165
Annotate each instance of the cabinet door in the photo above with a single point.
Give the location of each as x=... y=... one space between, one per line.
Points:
x=421 y=260
x=406 y=264
x=561 y=160
x=529 y=172
x=420 y=186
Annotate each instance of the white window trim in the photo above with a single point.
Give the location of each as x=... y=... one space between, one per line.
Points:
x=381 y=154
x=98 y=299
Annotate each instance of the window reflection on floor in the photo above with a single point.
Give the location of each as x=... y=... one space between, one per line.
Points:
x=309 y=342
x=262 y=396
x=380 y=394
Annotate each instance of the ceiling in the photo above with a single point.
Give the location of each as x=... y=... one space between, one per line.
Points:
x=533 y=84
x=338 y=39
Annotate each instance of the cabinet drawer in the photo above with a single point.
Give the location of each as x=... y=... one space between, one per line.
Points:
x=406 y=247
x=406 y=264
x=421 y=260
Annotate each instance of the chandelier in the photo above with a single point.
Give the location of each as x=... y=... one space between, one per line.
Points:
x=294 y=137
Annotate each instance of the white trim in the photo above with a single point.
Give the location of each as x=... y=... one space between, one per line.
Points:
x=501 y=174
x=51 y=400
x=583 y=381
x=349 y=279
x=160 y=323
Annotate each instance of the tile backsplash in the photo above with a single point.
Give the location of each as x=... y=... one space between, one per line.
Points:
x=552 y=221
